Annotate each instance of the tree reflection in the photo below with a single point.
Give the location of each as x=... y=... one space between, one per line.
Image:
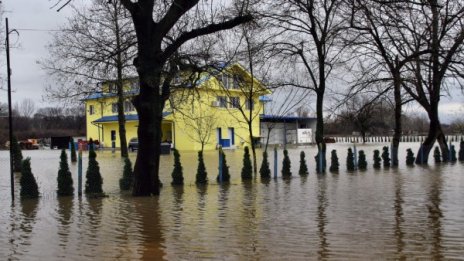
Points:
x=64 y=214
x=399 y=219
x=321 y=218
x=435 y=213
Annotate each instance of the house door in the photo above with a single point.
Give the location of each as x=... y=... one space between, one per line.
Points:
x=113 y=139
x=232 y=136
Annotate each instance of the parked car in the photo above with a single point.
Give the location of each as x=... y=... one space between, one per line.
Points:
x=133 y=144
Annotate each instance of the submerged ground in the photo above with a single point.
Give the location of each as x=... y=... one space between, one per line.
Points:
x=412 y=213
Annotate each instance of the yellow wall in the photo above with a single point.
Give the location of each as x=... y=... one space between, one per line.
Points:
x=181 y=127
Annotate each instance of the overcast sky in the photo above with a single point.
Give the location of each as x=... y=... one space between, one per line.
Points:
x=35 y=21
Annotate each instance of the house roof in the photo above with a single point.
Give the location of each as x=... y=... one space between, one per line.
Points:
x=129 y=117
x=279 y=118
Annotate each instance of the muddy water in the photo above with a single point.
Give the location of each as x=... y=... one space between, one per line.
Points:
x=404 y=213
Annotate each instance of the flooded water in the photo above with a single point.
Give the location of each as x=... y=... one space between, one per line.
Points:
x=404 y=213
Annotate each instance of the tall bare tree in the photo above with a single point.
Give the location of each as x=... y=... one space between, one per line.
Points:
x=96 y=45
x=307 y=33
x=27 y=108
x=157 y=42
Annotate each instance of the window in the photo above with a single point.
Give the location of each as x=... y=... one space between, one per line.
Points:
x=176 y=80
x=91 y=110
x=237 y=80
x=128 y=106
x=222 y=100
x=135 y=84
x=226 y=81
x=234 y=102
x=250 y=105
x=114 y=107
x=112 y=88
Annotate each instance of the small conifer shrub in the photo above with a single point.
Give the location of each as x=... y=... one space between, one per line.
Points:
x=453 y=154
x=65 y=181
x=264 y=170
x=29 y=188
x=334 y=165
x=177 y=172
x=202 y=175
x=386 y=157
x=225 y=169
x=377 y=159
x=303 y=171
x=125 y=183
x=437 y=155
x=350 y=160
x=410 y=157
x=247 y=169
x=362 y=163
x=17 y=155
x=94 y=180
x=73 y=151
x=286 y=165
x=461 y=151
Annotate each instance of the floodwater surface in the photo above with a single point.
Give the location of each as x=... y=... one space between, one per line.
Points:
x=398 y=213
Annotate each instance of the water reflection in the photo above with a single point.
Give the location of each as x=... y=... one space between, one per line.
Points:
x=64 y=213
x=435 y=213
x=399 y=219
x=322 y=204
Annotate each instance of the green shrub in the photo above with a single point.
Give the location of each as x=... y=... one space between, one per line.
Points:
x=386 y=157
x=73 y=151
x=303 y=168
x=94 y=180
x=125 y=183
x=350 y=160
x=17 y=155
x=29 y=188
x=377 y=159
x=177 y=173
x=65 y=181
x=334 y=165
x=247 y=169
x=286 y=165
x=461 y=150
x=362 y=163
x=410 y=157
x=265 y=171
x=202 y=175
x=453 y=153
x=225 y=168
x=437 y=155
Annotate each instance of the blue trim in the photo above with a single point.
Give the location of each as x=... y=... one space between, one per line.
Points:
x=283 y=118
x=129 y=117
x=264 y=98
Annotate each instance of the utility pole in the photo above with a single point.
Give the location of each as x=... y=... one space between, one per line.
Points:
x=10 y=118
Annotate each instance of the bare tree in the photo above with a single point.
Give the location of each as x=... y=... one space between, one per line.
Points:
x=200 y=125
x=27 y=108
x=158 y=42
x=307 y=34
x=439 y=27
x=97 y=45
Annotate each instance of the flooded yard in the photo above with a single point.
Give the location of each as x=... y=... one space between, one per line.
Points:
x=397 y=213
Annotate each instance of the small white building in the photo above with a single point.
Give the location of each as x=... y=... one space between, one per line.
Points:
x=282 y=130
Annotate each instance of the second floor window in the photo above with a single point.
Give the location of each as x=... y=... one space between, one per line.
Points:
x=234 y=102
x=112 y=88
x=114 y=108
x=91 y=110
x=222 y=100
x=250 y=105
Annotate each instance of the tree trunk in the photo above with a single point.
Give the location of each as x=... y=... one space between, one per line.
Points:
x=320 y=126
x=253 y=149
x=398 y=128
x=150 y=110
x=435 y=132
x=267 y=138
x=121 y=114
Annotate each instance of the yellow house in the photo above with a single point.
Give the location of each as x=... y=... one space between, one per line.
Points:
x=214 y=110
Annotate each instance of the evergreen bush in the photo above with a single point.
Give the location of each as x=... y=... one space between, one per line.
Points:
x=65 y=181
x=334 y=165
x=303 y=167
x=386 y=157
x=94 y=180
x=362 y=163
x=225 y=169
x=350 y=160
x=286 y=166
x=29 y=188
x=202 y=175
x=437 y=155
x=247 y=169
x=125 y=183
x=177 y=172
x=17 y=155
x=453 y=153
x=73 y=151
x=377 y=159
x=410 y=157
x=265 y=171
x=461 y=151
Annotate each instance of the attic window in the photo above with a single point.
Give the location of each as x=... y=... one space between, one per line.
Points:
x=112 y=88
